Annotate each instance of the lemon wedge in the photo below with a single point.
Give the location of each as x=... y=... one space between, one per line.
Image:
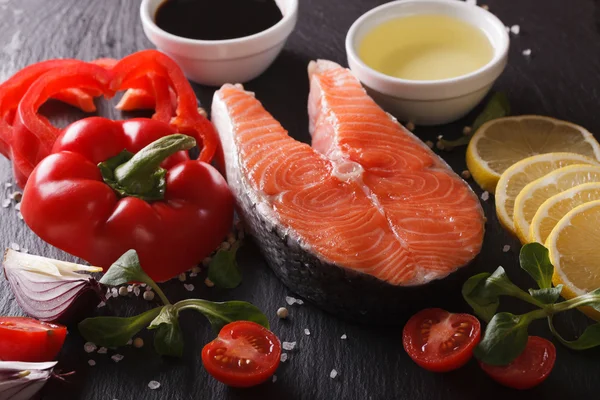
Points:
x=515 y=178
x=573 y=247
x=537 y=192
x=502 y=142
x=556 y=207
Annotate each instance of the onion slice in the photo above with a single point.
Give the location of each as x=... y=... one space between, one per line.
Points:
x=22 y=380
x=52 y=290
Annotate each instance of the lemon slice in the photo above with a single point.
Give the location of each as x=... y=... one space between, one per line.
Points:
x=515 y=178
x=556 y=207
x=537 y=192
x=573 y=247
x=500 y=143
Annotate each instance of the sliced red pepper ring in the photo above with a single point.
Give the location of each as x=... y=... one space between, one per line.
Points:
x=187 y=119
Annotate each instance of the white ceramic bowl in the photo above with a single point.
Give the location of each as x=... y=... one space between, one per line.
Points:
x=429 y=102
x=215 y=62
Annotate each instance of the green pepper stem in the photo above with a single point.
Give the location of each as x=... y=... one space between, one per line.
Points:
x=138 y=175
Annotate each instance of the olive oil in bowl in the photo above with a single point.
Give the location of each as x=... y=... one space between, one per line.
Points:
x=425 y=48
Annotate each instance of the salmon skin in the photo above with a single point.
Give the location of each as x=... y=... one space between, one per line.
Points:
x=362 y=221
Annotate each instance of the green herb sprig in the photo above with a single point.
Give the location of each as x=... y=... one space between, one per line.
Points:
x=164 y=320
x=497 y=107
x=506 y=334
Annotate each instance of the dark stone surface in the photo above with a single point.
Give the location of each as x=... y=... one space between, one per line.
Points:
x=560 y=79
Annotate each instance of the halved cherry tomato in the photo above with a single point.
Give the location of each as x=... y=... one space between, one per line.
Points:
x=243 y=355
x=30 y=340
x=440 y=341
x=530 y=369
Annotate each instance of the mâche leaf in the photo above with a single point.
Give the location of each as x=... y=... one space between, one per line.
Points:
x=223 y=270
x=168 y=340
x=588 y=339
x=504 y=339
x=483 y=304
x=220 y=314
x=497 y=107
x=534 y=258
x=547 y=295
x=115 y=331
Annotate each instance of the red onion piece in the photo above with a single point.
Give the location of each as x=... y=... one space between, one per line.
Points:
x=22 y=380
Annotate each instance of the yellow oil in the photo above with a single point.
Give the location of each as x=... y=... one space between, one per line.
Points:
x=425 y=47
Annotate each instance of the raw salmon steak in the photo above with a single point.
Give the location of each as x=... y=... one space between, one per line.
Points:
x=365 y=210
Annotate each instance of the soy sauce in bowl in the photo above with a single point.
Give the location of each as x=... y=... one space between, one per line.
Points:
x=216 y=19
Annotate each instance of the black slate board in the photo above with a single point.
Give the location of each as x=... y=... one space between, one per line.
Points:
x=560 y=79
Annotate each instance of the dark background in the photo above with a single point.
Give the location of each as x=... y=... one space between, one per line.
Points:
x=560 y=79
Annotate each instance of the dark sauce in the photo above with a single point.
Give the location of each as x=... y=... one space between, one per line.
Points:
x=216 y=19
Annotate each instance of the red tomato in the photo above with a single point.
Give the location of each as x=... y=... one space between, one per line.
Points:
x=440 y=341
x=243 y=355
x=530 y=369
x=27 y=339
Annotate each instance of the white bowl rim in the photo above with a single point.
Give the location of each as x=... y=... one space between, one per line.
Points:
x=148 y=20
x=500 y=53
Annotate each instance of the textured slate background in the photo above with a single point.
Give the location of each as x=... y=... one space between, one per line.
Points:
x=560 y=79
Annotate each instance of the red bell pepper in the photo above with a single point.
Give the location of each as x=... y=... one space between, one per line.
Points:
x=110 y=186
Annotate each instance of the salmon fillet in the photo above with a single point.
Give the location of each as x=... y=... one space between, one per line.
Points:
x=368 y=198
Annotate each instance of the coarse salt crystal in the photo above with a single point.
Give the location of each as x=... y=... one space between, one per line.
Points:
x=136 y=290
x=344 y=337
x=18 y=206
x=506 y=248
x=527 y=52
x=24 y=250
x=274 y=378
x=333 y=374
x=115 y=292
x=485 y=196
x=284 y=357
x=5 y=203
x=101 y=304
x=14 y=246
x=516 y=29
x=299 y=302
x=7 y=185
x=89 y=347
x=117 y=357
x=288 y=345
x=129 y=342
x=102 y=350
x=189 y=287
x=153 y=385
x=306 y=332
x=129 y=288
x=91 y=363
x=290 y=300
x=20 y=216
x=507 y=28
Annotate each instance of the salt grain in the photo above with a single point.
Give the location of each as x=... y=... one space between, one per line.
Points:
x=284 y=357
x=136 y=290
x=306 y=332
x=8 y=185
x=20 y=216
x=506 y=249
x=274 y=378
x=102 y=304
x=130 y=288
x=527 y=52
x=333 y=374
x=24 y=250
x=516 y=29
x=89 y=347
x=344 y=337
x=189 y=287
x=117 y=357
x=14 y=246
x=289 y=346
x=91 y=363
x=485 y=196
x=153 y=385
x=5 y=203
x=115 y=292
x=18 y=207
x=102 y=350
x=129 y=342
x=193 y=275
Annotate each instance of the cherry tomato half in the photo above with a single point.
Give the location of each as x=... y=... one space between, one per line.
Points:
x=30 y=340
x=243 y=355
x=530 y=369
x=440 y=341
